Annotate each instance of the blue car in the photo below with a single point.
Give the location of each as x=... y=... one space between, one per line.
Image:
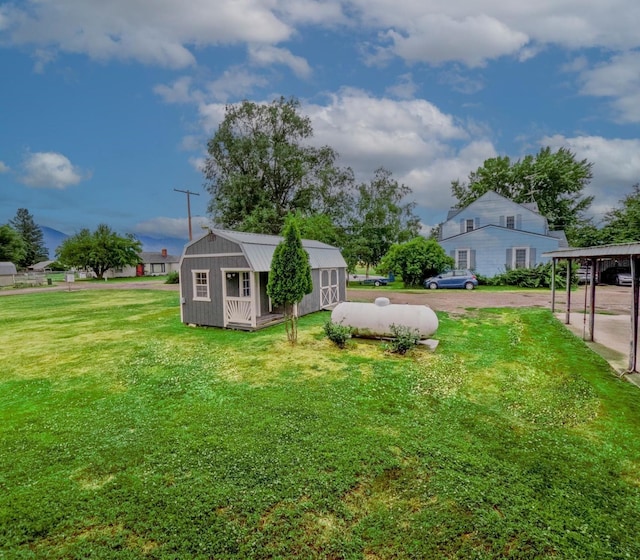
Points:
x=452 y=279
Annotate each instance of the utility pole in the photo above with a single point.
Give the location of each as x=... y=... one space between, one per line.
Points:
x=188 y=193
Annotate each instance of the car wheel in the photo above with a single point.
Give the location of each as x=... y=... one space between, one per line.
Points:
x=469 y=285
x=376 y=283
x=433 y=286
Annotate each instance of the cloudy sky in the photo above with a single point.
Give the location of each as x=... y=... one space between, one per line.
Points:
x=107 y=104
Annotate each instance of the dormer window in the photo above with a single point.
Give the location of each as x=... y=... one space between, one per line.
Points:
x=511 y=222
x=469 y=225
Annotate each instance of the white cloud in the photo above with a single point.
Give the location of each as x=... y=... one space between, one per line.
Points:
x=405 y=88
x=179 y=91
x=437 y=38
x=50 y=170
x=619 y=79
x=171 y=227
x=235 y=82
x=431 y=31
x=151 y=33
x=4 y=168
x=267 y=56
x=616 y=166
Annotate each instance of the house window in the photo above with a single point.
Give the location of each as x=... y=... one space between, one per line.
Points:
x=511 y=222
x=157 y=268
x=469 y=224
x=521 y=257
x=462 y=260
x=246 y=284
x=201 y=285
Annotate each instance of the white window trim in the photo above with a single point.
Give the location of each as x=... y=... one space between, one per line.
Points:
x=242 y=284
x=208 y=284
x=458 y=251
x=514 y=250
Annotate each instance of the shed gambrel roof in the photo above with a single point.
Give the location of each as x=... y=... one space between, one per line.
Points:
x=7 y=268
x=258 y=249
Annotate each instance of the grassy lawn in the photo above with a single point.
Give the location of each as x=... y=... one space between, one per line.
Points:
x=124 y=434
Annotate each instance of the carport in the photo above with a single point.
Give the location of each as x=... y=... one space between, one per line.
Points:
x=592 y=255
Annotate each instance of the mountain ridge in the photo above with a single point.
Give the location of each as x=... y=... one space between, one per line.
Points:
x=174 y=245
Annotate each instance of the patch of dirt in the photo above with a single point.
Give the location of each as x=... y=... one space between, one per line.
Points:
x=609 y=299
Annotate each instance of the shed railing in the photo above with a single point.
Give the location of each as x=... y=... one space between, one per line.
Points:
x=238 y=310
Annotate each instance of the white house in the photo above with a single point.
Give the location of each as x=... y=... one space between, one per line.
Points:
x=493 y=234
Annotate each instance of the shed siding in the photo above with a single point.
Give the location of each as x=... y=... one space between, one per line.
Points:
x=214 y=252
x=206 y=312
x=492 y=246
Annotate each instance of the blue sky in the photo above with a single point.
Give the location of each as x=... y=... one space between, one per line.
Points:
x=107 y=105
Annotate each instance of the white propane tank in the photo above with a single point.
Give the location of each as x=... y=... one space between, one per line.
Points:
x=375 y=319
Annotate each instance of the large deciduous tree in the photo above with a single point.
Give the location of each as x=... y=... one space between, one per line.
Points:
x=259 y=169
x=554 y=180
x=622 y=223
x=381 y=217
x=99 y=250
x=32 y=238
x=416 y=260
x=290 y=277
x=11 y=245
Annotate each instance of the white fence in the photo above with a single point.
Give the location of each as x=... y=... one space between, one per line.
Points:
x=26 y=279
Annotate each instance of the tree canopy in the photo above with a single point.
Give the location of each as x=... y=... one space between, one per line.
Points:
x=32 y=238
x=416 y=260
x=554 y=180
x=290 y=277
x=380 y=218
x=11 y=245
x=99 y=250
x=622 y=223
x=259 y=169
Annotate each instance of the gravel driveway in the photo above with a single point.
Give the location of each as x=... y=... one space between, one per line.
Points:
x=611 y=299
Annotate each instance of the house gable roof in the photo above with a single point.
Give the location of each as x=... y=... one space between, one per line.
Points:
x=258 y=249
x=512 y=231
x=529 y=206
x=152 y=257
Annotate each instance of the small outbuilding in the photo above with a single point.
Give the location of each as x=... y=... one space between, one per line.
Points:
x=7 y=274
x=224 y=276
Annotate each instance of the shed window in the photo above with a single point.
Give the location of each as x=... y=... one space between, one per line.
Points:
x=469 y=225
x=246 y=284
x=201 y=285
x=511 y=222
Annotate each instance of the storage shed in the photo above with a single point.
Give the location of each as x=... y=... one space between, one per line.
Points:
x=7 y=274
x=224 y=275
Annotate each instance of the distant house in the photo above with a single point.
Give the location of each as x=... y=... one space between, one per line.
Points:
x=493 y=234
x=150 y=264
x=154 y=264
x=224 y=275
x=7 y=273
x=42 y=266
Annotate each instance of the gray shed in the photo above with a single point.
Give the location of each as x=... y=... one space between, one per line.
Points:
x=224 y=275
x=7 y=273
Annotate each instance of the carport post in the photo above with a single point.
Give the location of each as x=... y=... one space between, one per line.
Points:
x=567 y=317
x=633 y=344
x=553 y=285
x=592 y=298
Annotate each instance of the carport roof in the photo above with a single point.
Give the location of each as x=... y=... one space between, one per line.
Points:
x=600 y=251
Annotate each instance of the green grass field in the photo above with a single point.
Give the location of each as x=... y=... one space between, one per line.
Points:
x=124 y=434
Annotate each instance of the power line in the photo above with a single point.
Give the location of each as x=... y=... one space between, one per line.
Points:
x=188 y=193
